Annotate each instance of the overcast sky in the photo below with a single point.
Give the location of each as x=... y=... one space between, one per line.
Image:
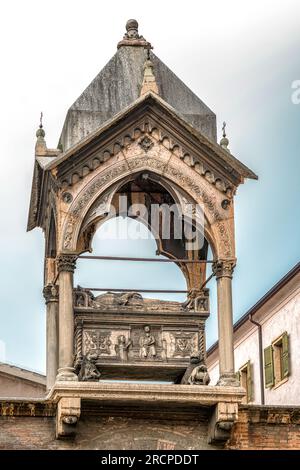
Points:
x=240 y=58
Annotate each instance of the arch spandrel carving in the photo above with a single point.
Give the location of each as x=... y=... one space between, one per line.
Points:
x=162 y=162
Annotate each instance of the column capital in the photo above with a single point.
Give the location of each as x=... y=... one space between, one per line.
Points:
x=66 y=262
x=50 y=293
x=224 y=268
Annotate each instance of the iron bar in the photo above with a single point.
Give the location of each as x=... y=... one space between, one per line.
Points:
x=207 y=280
x=159 y=260
x=159 y=291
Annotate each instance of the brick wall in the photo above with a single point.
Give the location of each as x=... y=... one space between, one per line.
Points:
x=32 y=426
x=264 y=427
x=104 y=433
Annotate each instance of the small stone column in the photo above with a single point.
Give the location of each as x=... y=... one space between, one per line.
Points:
x=223 y=269
x=51 y=297
x=66 y=267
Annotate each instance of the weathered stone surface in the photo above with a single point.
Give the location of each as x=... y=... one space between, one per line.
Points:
x=119 y=84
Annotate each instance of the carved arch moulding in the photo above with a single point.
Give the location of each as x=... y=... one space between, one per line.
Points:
x=219 y=230
x=147 y=132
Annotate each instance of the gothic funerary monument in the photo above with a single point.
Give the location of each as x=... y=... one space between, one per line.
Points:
x=137 y=131
x=138 y=134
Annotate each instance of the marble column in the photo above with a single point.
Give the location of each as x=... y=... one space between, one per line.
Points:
x=223 y=269
x=66 y=267
x=51 y=298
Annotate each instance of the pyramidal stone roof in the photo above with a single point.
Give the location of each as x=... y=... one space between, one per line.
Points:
x=119 y=84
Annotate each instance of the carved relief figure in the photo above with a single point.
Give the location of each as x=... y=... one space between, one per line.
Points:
x=122 y=347
x=189 y=304
x=147 y=344
x=130 y=297
x=199 y=376
x=80 y=300
x=88 y=370
x=196 y=373
x=196 y=300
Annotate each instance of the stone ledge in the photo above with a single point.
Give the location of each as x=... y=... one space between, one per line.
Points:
x=147 y=393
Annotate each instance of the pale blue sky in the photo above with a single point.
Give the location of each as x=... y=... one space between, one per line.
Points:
x=240 y=59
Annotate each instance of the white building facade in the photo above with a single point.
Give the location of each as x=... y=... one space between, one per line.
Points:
x=267 y=346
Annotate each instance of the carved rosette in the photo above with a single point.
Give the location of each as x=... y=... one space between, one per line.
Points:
x=50 y=293
x=223 y=268
x=146 y=143
x=67 y=263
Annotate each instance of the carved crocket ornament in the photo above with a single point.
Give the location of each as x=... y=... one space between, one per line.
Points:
x=196 y=372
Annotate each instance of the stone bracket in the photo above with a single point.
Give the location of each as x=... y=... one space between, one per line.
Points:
x=221 y=422
x=67 y=415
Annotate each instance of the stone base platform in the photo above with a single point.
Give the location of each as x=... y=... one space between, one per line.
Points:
x=219 y=403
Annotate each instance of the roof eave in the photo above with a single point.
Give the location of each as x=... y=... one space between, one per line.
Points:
x=226 y=157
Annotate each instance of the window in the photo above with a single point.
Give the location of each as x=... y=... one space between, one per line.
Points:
x=276 y=358
x=245 y=378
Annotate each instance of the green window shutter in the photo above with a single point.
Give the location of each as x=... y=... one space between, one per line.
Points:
x=269 y=367
x=249 y=382
x=238 y=376
x=285 y=355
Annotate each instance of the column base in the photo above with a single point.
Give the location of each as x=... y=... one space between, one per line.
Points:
x=66 y=374
x=228 y=380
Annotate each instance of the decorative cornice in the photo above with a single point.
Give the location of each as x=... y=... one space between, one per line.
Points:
x=50 y=293
x=146 y=394
x=223 y=268
x=66 y=262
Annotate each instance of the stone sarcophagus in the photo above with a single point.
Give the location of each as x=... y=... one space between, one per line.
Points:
x=126 y=336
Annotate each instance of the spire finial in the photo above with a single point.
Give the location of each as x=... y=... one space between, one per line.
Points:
x=40 y=133
x=224 y=129
x=132 y=36
x=40 y=146
x=224 y=142
x=149 y=81
x=132 y=30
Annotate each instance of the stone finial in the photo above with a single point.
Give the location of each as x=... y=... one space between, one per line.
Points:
x=132 y=36
x=149 y=81
x=40 y=146
x=132 y=28
x=224 y=142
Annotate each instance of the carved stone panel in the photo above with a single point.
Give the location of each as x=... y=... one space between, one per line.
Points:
x=180 y=344
x=127 y=336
